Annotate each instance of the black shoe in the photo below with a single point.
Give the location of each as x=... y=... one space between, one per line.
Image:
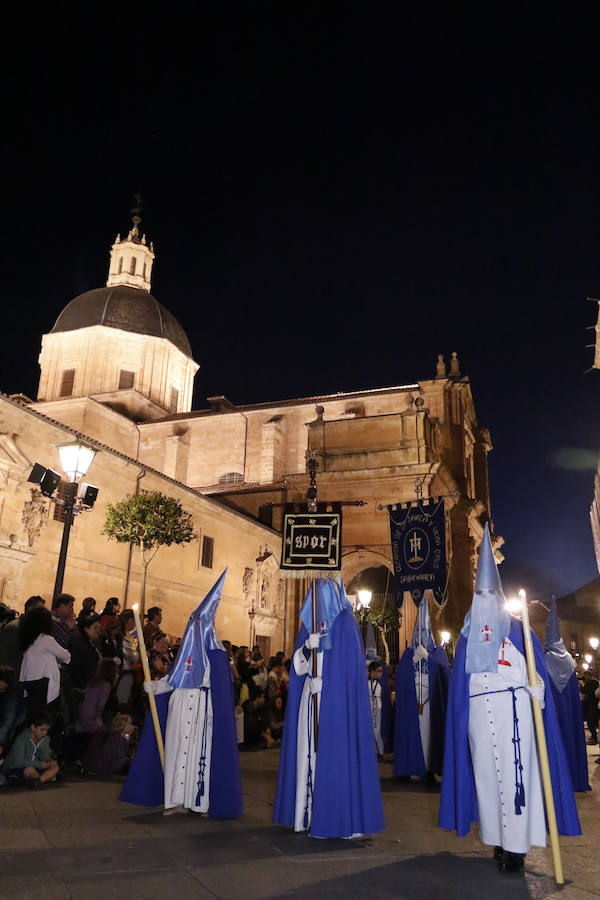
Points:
x=511 y=862
x=498 y=852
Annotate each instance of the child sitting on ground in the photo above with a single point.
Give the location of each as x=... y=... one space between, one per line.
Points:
x=29 y=760
x=111 y=754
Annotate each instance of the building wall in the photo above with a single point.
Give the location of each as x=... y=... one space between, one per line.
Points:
x=30 y=539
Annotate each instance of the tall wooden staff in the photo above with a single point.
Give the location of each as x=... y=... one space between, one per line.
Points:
x=311 y=497
x=542 y=747
x=151 y=697
x=315 y=665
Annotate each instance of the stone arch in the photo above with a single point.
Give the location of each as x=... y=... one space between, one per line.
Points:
x=357 y=561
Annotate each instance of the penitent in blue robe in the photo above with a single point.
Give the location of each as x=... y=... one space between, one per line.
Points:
x=144 y=784
x=347 y=795
x=408 y=749
x=458 y=802
x=570 y=718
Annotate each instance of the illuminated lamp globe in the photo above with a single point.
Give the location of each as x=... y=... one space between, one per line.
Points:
x=75 y=459
x=588 y=657
x=594 y=643
x=445 y=637
x=514 y=606
x=364 y=598
x=586 y=666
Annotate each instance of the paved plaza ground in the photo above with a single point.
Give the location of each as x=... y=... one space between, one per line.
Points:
x=75 y=840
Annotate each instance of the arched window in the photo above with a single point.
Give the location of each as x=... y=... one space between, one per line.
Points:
x=120 y=265
x=132 y=266
x=231 y=478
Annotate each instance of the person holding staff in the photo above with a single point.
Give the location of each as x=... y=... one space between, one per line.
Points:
x=491 y=771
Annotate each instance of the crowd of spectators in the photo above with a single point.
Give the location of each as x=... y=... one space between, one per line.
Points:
x=71 y=689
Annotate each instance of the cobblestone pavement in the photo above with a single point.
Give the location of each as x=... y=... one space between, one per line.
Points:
x=75 y=840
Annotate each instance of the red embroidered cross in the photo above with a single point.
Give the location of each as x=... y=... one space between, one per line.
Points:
x=502 y=661
x=188 y=663
x=486 y=630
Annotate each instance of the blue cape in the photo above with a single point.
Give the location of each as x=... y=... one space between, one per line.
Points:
x=145 y=783
x=458 y=802
x=347 y=795
x=408 y=750
x=570 y=719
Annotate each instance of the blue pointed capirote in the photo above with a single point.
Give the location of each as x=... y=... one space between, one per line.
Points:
x=191 y=663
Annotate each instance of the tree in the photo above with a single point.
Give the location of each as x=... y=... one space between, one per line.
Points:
x=383 y=614
x=149 y=520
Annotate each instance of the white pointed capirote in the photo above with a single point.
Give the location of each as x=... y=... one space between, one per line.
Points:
x=487 y=623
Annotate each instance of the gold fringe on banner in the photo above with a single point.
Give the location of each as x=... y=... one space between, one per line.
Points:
x=310 y=573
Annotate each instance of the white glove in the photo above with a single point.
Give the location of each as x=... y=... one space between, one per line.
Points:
x=161 y=686
x=313 y=641
x=315 y=685
x=537 y=692
x=420 y=653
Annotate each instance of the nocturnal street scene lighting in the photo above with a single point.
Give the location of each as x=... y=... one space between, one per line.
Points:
x=299 y=457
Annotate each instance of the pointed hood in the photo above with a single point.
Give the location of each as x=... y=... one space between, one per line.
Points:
x=191 y=667
x=559 y=661
x=487 y=623
x=422 y=633
x=331 y=600
x=370 y=643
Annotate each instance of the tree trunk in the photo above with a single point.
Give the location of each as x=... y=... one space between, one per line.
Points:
x=385 y=644
x=143 y=582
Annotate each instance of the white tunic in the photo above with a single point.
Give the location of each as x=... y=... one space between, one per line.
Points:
x=375 y=700
x=422 y=692
x=303 y=666
x=491 y=728
x=188 y=738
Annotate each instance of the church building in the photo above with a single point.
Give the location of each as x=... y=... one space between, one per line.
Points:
x=117 y=371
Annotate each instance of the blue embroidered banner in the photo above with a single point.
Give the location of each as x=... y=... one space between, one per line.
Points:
x=418 y=538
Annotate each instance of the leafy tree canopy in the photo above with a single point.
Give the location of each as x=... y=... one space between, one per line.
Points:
x=149 y=520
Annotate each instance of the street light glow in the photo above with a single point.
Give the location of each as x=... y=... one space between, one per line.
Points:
x=586 y=666
x=445 y=637
x=594 y=643
x=514 y=606
x=75 y=459
x=364 y=598
x=588 y=657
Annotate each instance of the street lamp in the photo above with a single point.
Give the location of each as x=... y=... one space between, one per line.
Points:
x=364 y=599
x=586 y=666
x=588 y=657
x=594 y=643
x=75 y=459
x=445 y=637
x=514 y=606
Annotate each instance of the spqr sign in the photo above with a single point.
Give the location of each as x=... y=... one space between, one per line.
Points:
x=312 y=541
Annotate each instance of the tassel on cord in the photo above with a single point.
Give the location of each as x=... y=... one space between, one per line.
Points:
x=202 y=768
x=519 y=787
x=309 y=779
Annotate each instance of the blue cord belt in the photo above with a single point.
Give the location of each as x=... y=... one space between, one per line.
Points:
x=516 y=739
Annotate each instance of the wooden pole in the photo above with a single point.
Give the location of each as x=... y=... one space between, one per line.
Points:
x=542 y=747
x=151 y=697
x=315 y=665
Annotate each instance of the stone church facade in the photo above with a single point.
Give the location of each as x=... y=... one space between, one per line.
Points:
x=117 y=369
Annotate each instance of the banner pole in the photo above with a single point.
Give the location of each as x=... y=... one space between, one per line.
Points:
x=315 y=666
x=542 y=746
x=151 y=697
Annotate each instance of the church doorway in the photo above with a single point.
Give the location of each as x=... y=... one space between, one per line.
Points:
x=264 y=642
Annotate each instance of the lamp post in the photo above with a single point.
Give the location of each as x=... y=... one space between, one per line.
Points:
x=75 y=460
x=364 y=598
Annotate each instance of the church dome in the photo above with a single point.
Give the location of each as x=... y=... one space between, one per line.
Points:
x=126 y=308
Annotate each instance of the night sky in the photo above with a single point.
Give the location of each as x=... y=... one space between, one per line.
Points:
x=334 y=200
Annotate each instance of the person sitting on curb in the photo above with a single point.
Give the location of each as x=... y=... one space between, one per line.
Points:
x=29 y=760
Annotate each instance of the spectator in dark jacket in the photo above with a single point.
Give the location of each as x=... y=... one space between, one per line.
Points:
x=63 y=619
x=111 y=639
x=85 y=654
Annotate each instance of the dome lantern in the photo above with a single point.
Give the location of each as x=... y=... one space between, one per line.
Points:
x=131 y=259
